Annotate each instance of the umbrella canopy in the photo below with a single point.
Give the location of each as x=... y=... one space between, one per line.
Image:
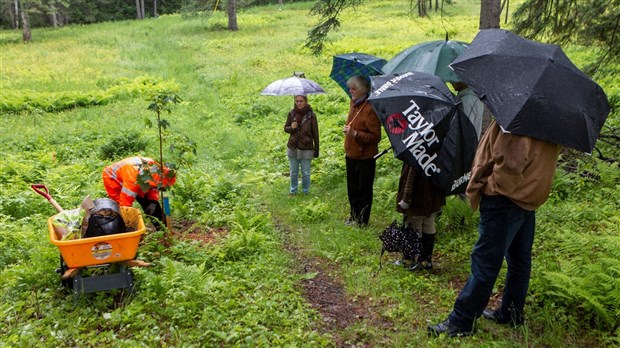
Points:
x=348 y=65
x=425 y=128
x=533 y=89
x=292 y=86
x=430 y=57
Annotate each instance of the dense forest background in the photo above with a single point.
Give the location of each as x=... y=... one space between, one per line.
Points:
x=53 y=13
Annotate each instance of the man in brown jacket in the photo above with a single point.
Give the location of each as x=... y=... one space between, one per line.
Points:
x=511 y=177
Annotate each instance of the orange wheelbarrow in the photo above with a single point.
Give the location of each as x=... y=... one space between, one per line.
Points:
x=97 y=252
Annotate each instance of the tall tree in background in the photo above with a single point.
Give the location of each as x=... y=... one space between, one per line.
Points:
x=231 y=10
x=329 y=10
x=490 y=12
x=16 y=16
x=140 y=9
x=27 y=34
x=421 y=8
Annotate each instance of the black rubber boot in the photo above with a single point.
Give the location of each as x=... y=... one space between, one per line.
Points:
x=425 y=259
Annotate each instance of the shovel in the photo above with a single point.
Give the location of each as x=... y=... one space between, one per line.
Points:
x=43 y=191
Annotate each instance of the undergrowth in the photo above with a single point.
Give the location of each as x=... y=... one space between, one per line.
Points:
x=82 y=103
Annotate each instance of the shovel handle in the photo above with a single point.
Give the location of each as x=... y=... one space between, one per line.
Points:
x=43 y=191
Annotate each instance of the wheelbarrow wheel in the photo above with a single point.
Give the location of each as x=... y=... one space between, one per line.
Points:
x=66 y=283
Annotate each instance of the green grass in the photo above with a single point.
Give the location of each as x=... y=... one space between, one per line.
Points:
x=242 y=291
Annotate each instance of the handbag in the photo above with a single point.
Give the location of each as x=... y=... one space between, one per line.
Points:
x=398 y=238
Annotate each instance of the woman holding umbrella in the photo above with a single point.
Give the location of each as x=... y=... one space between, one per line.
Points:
x=303 y=142
x=361 y=143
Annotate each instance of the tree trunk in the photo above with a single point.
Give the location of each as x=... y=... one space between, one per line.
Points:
x=16 y=15
x=155 y=9
x=490 y=12
x=280 y=2
x=27 y=35
x=138 y=9
x=53 y=14
x=421 y=8
x=232 y=15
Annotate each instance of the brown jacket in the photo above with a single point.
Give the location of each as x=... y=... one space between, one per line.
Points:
x=417 y=191
x=363 y=119
x=306 y=135
x=516 y=166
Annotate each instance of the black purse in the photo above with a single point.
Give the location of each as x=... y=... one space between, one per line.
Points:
x=397 y=238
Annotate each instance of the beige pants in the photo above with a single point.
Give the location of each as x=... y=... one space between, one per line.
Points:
x=422 y=223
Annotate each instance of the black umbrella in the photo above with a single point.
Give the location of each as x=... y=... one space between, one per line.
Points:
x=533 y=89
x=425 y=128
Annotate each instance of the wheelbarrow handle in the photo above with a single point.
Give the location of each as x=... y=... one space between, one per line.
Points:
x=43 y=191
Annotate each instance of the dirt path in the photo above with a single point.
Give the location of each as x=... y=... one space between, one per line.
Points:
x=326 y=294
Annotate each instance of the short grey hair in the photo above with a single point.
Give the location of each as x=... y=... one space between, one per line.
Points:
x=360 y=82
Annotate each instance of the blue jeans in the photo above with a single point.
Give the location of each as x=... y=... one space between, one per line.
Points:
x=505 y=230
x=305 y=174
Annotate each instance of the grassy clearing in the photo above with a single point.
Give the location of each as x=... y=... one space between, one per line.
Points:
x=241 y=291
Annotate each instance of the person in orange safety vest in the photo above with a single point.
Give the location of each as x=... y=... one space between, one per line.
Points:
x=121 y=183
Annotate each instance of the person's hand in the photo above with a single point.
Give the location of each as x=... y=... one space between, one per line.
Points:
x=150 y=209
x=348 y=130
x=294 y=125
x=403 y=205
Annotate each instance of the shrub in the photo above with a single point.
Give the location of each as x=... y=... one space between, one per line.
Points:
x=123 y=145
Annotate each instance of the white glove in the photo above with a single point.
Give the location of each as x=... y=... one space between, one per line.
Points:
x=403 y=205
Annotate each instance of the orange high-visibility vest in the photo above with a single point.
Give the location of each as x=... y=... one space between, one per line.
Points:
x=120 y=181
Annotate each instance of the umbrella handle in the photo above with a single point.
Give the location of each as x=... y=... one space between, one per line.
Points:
x=382 y=153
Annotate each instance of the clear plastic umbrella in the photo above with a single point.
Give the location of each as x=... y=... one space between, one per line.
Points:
x=292 y=86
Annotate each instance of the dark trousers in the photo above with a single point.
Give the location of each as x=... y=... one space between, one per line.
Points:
x=158 y=213
x=505 y=230
x=360 y=179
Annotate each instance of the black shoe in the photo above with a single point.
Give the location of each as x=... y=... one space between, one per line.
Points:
x=498 y=318
x=446 y=327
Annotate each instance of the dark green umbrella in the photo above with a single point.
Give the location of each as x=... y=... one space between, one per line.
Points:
x=430 y=57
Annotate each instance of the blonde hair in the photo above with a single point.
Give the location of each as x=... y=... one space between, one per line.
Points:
x=359 y=82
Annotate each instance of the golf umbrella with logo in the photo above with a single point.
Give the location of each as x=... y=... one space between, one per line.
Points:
x=292 y=86
x=430 y=57
x=533 y=89
x=425 y=128
x=348 y=65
